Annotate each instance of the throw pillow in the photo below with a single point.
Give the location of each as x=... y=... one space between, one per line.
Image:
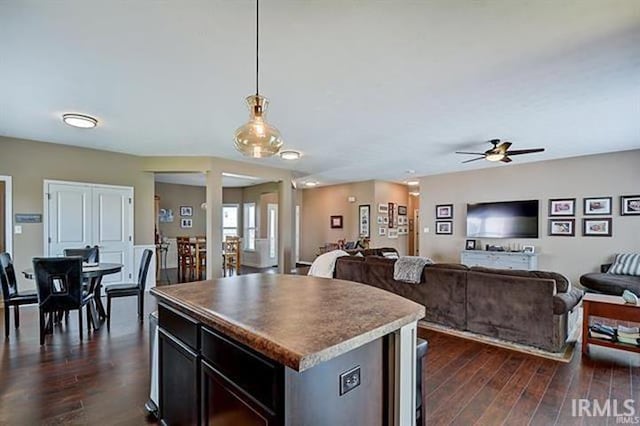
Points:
x=626 y=264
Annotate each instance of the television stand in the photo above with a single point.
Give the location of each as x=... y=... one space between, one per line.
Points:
x=500 y=259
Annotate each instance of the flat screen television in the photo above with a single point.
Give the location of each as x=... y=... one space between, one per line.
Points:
x=507 y=219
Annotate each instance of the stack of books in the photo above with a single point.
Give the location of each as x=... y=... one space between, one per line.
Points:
x=621 y=334
x=628 y=335
x=601 y=331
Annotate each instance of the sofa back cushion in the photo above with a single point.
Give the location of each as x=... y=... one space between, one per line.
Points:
x=626 y=264
x=563 y=284
x=350 y=268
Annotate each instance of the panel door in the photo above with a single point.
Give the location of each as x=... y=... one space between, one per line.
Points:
x=70 y=219
x=112 y=219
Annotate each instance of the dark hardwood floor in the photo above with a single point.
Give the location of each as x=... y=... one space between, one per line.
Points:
x=104 y=380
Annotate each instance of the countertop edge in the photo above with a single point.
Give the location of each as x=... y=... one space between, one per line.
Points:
x=272 y=349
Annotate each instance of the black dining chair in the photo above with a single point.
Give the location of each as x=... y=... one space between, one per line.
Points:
x=89 y=254
x=10 y=293
x=132 y=289
x=59 y=285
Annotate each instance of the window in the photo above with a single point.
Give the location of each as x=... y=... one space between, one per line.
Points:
x=250 y=226
x=229 y=220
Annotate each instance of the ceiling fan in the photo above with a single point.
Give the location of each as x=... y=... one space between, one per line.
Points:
x=499 y=152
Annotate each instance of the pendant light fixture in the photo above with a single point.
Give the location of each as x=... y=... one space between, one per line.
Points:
x=257 y=138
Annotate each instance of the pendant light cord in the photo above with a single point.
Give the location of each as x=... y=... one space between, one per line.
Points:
x=257 y=44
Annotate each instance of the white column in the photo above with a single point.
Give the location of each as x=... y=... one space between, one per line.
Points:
x=404 y=392
x=286 y=223
x=214 y=224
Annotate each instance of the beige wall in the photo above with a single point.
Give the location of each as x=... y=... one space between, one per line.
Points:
x=261 y=195
x=319 y=204
x=597 y=175
x=30 y=163
x=172 y=196
x=389 y=192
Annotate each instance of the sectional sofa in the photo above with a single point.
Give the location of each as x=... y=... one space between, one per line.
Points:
x=533 y=308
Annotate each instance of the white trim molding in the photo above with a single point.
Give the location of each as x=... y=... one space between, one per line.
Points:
x=8 y=211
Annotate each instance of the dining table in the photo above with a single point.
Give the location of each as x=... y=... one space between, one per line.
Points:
x=93 y=274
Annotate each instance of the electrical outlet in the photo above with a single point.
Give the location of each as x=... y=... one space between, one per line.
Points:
x=349 y=380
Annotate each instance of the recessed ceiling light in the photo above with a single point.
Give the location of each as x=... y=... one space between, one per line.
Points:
x=290 y=155
x=413 y=182
x=80 y=120
x=311 y=184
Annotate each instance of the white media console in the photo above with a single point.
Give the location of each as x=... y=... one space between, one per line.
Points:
x=500 y=259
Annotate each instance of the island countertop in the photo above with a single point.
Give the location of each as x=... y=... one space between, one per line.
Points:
x=298 y=321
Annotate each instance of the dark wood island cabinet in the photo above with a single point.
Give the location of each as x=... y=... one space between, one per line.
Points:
x=285 y=350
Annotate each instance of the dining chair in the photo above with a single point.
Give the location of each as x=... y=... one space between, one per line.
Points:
x=231 y=255
x=132 y=289
x=59 y=286
x=186 y=258
x=10 y=293
x=200 y=257
x=89 y=254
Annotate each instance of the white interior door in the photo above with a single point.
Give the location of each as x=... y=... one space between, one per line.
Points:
x=112 y=233
x=70 y=219
x=79 y=215
x=272 y=231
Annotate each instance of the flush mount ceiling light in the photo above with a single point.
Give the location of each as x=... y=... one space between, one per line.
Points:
x=311 y=184
x=257 y=138
x=412 y=182
x=290 y=155
x=80 y=120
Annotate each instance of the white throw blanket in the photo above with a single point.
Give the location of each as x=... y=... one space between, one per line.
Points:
x=409 y=268
x=325 y=264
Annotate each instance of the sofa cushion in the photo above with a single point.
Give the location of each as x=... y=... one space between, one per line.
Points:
x=350 y=268
x=563 y=284
x=626 y=264
x=611 y=283
x=565 y=302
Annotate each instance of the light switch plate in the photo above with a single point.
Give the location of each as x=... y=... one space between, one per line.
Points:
x=17 y=229
x=426 y=230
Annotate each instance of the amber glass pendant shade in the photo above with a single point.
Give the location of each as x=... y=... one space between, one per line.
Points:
x=257 y=138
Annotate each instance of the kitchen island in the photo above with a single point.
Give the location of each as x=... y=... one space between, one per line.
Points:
x=268 y=349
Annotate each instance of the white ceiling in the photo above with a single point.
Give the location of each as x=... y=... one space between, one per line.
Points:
x=364 y=89
x=199 y=179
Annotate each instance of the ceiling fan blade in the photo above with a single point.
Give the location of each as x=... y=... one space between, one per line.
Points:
x=506 y=160
x=473 y=159
x=470 y=153
x=524 y=151
x=504 y=146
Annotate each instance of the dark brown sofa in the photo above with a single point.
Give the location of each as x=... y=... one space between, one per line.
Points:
x=607 y=283
x=529 y=307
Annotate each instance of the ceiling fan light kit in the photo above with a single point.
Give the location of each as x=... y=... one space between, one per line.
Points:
x=499 y=153
x=257 y=138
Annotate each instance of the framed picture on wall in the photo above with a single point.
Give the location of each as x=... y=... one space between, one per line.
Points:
x=596 y=227
x=380 y=220
x=392 y=215
x=186 y=211
x=562 y=207
x=186 y=223
x=630 y=205
x=382 y=231
x=470 y=245
x=165 y=215
x=402 y=210
x=444 y=227
x=383 y=208
x=393 y=233
x=444 y=211
x=365 y=220
x=562 y=227
x=597 y=206
x=336 y=222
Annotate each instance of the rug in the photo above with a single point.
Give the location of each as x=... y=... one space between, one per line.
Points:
x=565 y=356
